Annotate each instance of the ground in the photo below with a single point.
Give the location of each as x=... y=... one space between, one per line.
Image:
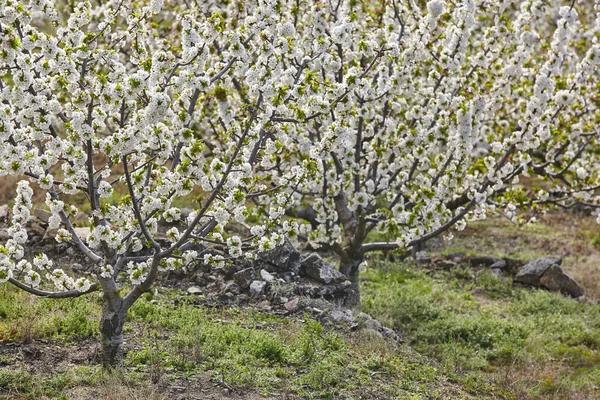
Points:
x=468 y=335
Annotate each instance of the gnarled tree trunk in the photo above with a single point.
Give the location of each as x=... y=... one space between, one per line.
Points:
x=349 y=267
x=111 y=330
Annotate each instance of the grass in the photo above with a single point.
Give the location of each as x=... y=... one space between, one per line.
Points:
x=25 y=318
x=491 y=338
x=113 y=386
x=469 y=335
x=255 y=351
x=245 y=350
x=573 y=237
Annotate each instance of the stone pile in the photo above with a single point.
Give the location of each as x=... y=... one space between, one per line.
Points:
x=545 y=272
x=284 y=282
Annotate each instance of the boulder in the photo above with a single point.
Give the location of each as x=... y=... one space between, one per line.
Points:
x=257 y=288
x=557 y=279
x=282 y=258
x=314 y=267
x=532 y=272
x=244 y=277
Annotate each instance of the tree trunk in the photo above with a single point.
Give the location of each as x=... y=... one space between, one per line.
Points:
x=111 y=329
x=350 y=269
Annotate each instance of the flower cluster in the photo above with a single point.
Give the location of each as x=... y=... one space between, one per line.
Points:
x=319 y=123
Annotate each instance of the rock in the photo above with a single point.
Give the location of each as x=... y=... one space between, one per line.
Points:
x=83 y=233
x=232 y=287
x=532 y=272
x=497 y=273
x=282 y=258
x=194 y=290
x=500 y=264
x=265 y=305
x=444 y=264
x=36 y=229
x=257 y=288
x=266 y=276
x=370 y=333
x=372 y=324
x=339 y=316
x=4 y=212
x=244 y=278
x=481 y=261
x=4 y=235
x=77 y=267
x=457 y=257
x=557 y=279
x=422 y=258
x=226 y=298
x=320 y=270
x=291 y=305
x=281 y=300
x=42 y=215
x=390 y=334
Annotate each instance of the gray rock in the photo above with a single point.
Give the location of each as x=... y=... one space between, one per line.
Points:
x=77 y=267
x=314 y=267
x=445 y=264
x=557 y=279
x=83 y=233
x=482 y=261
x=42 y=215
x=282 y=258
x=339 y=316
x=291 y=305
x=194 y=290
x=422 y=258
x=232 y=287
x=500 y=264
x=257 y=288
x=391 y=334
x=266 y=276
x=370 y=333
x=4 y=234
x=497 y=273
x=265 y=306
x=532 y=272
x=4 y=212
x=372 y=324
x=244 y=278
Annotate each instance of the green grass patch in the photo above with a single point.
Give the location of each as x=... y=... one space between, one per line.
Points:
x=24 y=317
x=478 y=326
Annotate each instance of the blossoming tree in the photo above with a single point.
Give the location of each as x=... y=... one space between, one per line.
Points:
x=358 y=117
x=421 y=119
x=132 y=108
